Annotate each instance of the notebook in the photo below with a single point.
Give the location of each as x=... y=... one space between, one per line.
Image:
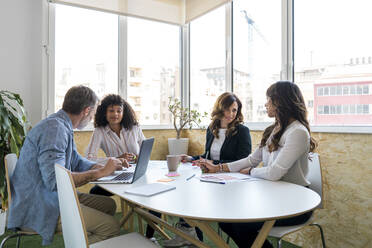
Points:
x=150 y=189
x=139 y=170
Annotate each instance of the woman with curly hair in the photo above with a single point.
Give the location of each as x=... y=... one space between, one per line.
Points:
x=283 y=150
x=227 y=140
x=116 y=132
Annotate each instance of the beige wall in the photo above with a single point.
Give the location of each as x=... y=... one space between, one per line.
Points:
x=347 y=173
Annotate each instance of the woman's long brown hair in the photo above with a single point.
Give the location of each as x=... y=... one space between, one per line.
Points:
x=289 y=103
x=223 y=103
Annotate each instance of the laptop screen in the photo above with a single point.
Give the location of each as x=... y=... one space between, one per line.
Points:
x=143 y=158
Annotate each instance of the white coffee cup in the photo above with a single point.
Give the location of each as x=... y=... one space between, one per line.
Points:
x=173 y=162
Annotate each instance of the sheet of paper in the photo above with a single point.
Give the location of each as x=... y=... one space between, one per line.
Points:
x=227 y=177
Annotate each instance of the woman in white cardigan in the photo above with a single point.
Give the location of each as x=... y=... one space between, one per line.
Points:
x=116 y=132
x=283 y=150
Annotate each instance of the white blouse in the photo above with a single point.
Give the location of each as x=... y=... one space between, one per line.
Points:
x=111 y=144
x=217 y=144
x=289 y=162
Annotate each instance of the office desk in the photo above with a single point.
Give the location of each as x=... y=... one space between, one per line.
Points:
x=200 y=203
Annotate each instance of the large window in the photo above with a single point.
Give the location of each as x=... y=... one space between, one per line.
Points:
x=86 y=51
x=207 y=60
x=333 y=60
x=257 y=53
x=328 y=55
x=153 y=69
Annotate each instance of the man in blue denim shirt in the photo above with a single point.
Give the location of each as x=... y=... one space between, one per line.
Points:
x=34 y=202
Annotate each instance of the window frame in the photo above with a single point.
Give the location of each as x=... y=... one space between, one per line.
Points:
x=286 y=73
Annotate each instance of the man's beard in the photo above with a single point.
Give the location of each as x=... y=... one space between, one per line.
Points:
x=83 y=123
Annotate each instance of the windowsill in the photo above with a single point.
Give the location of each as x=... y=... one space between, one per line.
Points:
x=260 y=126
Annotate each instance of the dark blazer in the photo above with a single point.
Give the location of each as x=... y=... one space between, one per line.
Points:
x=234 y=147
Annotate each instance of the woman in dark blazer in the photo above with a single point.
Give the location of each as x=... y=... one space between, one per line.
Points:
x=227 y=140
x=234 y=147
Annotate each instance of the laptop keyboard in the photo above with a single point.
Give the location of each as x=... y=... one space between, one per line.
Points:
x=123 y=176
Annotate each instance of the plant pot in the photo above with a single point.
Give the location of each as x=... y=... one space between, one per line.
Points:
x=178 y=146
x=3 y=217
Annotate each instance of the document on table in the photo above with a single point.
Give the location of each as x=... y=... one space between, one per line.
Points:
x=150 y=189
x=226 y=177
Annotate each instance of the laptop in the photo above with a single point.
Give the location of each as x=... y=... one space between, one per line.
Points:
x=140 y=168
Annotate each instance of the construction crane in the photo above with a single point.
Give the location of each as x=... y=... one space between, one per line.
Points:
x=252 y=26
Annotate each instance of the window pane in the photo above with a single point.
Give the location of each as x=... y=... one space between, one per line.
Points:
x=153 y=69
x=339 y=90
x=326 y=109
x=257 y=53
x=320 y=109
x=86 y=51
x=365 y=108
x=207 y=60
x=352 y=90
x=333 y=51
x=345 y=109
x=326 y=91
x=366 y=89
x=352 y=109
x=346 y=90
x=338 y=109
x=332 y=90
x=320 y=91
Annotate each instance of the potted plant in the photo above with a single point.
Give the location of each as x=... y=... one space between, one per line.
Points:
x=182 y=117
x=14 y=126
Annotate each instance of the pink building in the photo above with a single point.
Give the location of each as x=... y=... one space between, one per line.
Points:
x=346 y=103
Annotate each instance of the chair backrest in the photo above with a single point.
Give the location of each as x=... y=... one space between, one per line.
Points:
x=73 y=228
x=314 y=175
x=10 y=161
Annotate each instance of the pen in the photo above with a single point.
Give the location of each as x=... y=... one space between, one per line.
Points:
x=211 y=181
x=187 y=179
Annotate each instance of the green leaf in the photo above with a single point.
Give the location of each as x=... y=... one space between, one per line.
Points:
x=14 y=126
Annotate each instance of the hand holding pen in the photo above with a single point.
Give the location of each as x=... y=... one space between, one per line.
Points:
x=185 y=158
x=207 y=166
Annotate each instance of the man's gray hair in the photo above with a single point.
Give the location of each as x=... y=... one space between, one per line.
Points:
x=78 y=98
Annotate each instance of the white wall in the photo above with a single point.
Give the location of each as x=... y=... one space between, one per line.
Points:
x=21 y=52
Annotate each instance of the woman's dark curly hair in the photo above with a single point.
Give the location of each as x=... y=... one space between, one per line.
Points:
x=129 y=117
x=223 y=103
x=289 y=103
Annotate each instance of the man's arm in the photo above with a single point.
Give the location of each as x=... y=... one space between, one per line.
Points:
x=81 y=178
x=97 y=171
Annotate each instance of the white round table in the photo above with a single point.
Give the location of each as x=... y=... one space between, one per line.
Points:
x=200 y=202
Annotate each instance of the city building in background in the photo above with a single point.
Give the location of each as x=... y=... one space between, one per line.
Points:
x=149 y=91
x=338 y=94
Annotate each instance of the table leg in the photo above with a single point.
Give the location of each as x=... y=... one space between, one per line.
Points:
x=157 y=228
x=169 y=227
x=124 y=209
x=209 y=231
x=164 y=217
x=126 y=217
x=140 y=224
x=262 y=235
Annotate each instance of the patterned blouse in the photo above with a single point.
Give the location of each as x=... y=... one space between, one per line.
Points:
x=112 y=144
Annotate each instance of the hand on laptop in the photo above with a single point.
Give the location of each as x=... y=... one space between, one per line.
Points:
x=130 y=157
x=114 y=164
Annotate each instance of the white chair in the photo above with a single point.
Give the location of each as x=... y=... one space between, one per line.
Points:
x=315 y=177
x=73 y=228
x=10 y=164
